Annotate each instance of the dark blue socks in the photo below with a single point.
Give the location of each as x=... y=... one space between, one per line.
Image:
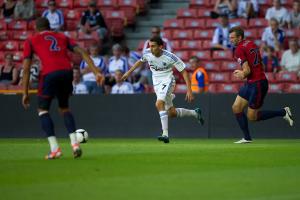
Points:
x=268 y=114
x=47 y=124
x=243 y=123
x=69 y=122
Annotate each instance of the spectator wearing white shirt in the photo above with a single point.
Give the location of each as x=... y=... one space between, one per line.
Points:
x=88 y=76
x=54 y=15
x=273 y=36
x=78 y=86
x=248 y=8
x=155 y=31
x=294 y=18
x=290 y=60
x=220 y=39
x=278 y=12
x=121 y=87
x=117 y=61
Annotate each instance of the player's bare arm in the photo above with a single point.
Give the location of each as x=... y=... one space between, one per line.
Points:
x=91 y=65
x=242 y=74
x=134 y=67
x=25 y=82
x=189 y=94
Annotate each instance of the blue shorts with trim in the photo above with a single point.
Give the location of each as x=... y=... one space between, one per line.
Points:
x=254 y=93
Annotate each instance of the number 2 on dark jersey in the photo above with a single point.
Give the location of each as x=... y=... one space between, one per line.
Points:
x=256 y=58
x=53 y=46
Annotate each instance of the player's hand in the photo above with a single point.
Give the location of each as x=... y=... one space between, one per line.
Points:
x=100 y=79
x=25 y=101
x=189 y=96
x=125 y=76
x=239 y=74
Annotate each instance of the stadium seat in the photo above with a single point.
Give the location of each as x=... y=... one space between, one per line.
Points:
x=141 y=45
x=81 y=3
x=234 y=79
x=229 y=66
x=130 y=14
x=115 y=22
x=275 y=88
x=31 y=25
x=292 y=88
x=3 y=25
x=203 y=13
x=194 y=23
x=211 y=66
x=287 y=3
x=206 y=44
x=212 y=23
x=258 y=22
x=180 y=88
x=142 y=6
x=183 y=34
x=198 y=4
x=72 y=34
x=286 y=77
x=173 y=24
x=107 y=4
x=83 y=36
x=17 y=25
x=18 y=56
x=270 y=76
x=21 y=35
x=71 y=25
x=186 y=13
x=222 y=55
x=183 y=55
x=251 y=33
x=176 y=45
x=191 y=45
x=202 y=55
x=219 y=77
x=239 y=22
x=72 y=15
x=41 y=3
x=131 y=4
x=65 y=4
x=3 y=86
x=167 y=34
x=4 y=35
x=292 y=33
x=228 y=88
x=213 y=88
x=9 y=46
x=203 y=34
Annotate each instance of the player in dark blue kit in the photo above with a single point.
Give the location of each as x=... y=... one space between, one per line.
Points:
x=55 y=80
x=253 y=92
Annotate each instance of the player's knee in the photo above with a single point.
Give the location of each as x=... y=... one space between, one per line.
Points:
x=172 y=113
x=159 y=105
x=236 y=108
x=251 y=116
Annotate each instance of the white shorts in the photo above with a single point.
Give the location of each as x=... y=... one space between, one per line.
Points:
x=164 y=91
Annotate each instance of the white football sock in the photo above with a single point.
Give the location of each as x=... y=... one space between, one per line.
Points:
x=182 y=112
x=73 y=138
x=164 y=122
x=53 y=143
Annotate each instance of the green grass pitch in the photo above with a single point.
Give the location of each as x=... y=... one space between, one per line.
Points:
x=145 y=169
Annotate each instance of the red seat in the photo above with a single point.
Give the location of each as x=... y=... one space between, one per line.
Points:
x=229 y=66
x=203 y=13
x=203 y=34
x=115 y=15
x=183 y=55
x=202 y=55
x=141 y=45
x=199 y=3
x=41 y=3
x=194 y=23
x=173 y=24
x=222 y=55
x=183 y=34
x=258 y=22
x=3 y=25
x=234 y=79
x=291 y=33
x=180 y=88
x=286 y=77
x=142 y=6
x=132 y=4
x=213 y=88
x=18 y=56
x=167 y=34
x=275 y=88
x=130 y=15
x=71 y=25
x=228 y=88
x=211 y=66
x=115 y=22
x=68 y=4
x=239 y=22
x=72 y=34
x=4 y=35
x=251 y=33
x=21 y=35
x=72 y=14
x=186 y=13
x=176 y=45
x=287 y=3
x=31 y=25
x=292 y=88
x=212 y=23
x=81 y=3
x=270 y=76
x=219 y=77
x=84 y=36
x=191 y=45
x=107 y=4
x=206 y=44
x=9 y=46
x=17 y=25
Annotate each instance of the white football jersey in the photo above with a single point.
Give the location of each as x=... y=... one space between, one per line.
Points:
x=161 y=67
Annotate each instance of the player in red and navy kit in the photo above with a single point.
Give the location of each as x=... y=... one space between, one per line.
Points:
x=253 y=92
x=55 y=80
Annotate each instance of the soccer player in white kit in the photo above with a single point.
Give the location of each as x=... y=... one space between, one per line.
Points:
x=161 y=63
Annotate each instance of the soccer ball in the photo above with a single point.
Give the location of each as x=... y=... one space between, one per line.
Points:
x=81 y=135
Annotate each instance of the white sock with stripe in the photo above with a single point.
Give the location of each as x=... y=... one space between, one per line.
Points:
x=53 y=143
x=182 y=112
x=164 y=122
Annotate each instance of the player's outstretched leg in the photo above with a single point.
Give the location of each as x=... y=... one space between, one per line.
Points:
x=71 y=127
x=182 y=112
x=268 y=114
x=48 y=128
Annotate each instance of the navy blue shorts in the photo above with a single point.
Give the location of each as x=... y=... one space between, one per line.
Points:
x=254 y=93
x=56 y=84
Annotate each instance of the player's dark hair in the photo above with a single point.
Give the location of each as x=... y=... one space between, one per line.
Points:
x=157 y=40
x=42 y=24
x=238 y=31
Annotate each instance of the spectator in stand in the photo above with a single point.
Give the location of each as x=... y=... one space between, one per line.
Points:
x=290 y=60
x=247 y=8
x=270 y=61
x=7 y=10
x=294 y=18
x=225 y=7
x=8 y=71
x=199 y=79
x=54 y=16
x=273 y=36
x=92 y=20
x=34 y=74
x=24 y=10
x=121 y=87
x=220 y=39
x=88 y=77
x=278 y=12
x=155 y=31
x=78 y=86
